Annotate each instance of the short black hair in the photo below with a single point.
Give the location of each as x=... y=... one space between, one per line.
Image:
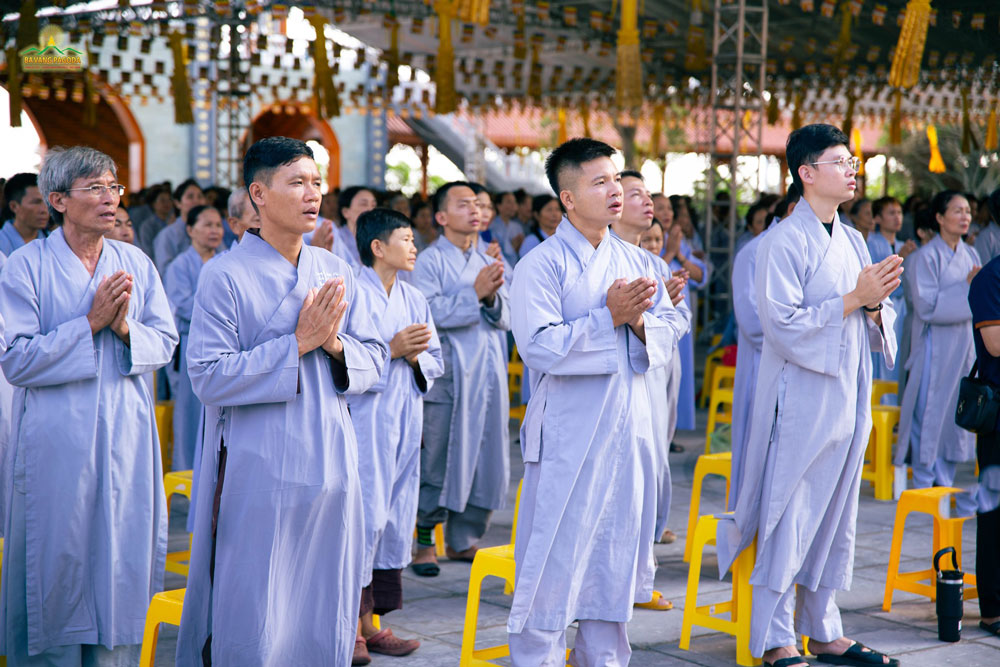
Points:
x=378 y=223
x=942 y=200
x=924 y=218
x=520 y=195
x=192 y=216
x=571 y=155
x=347 y=195
x=752 y=211
x=17 y=186
x=498 y=197
x=631 y=173
x=791 y=197
x=806 y=144
x=879 y=204
x=441 y=195
x=478 y=188
x=856 y=206
x=182 y=188
x=265 y=156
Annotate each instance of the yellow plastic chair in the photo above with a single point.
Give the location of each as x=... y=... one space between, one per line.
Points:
x=489 y=562
x=163 y=412
x=721 y=398
x=878 y=467
x=165 y=607
x=738 y=607
x=882 y=387
x=178 y=482
x=711 y=361
x=708 y=464
x=936 y=502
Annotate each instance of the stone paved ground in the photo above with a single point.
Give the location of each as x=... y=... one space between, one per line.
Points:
x=434 y=609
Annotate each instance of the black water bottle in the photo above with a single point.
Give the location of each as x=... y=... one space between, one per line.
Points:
x=949 y=597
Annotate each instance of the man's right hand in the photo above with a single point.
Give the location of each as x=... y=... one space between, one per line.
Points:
x=488 y=281
x=319 y=315
x=410 y=341
x=878 y=281
x=323 y=237
x=112 y=292
x=628 y=301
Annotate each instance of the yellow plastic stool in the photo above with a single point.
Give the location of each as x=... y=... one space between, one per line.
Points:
x=935 y=501
x=178 y=482
x=738 y=606
x=882 y=387
x=165 y=608
x=708 y=464
x=163 y=412
x=878 y=457
x=721 y=398
x=489 y=562
x=711 y=361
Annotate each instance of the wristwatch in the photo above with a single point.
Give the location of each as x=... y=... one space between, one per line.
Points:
x=872 y=310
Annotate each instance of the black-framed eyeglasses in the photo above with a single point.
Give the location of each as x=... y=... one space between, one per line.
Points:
x=98 y=190
x=845 y=162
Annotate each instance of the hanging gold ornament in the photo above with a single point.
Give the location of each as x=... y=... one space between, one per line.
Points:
x=849 y=116
x=858 y=153
x=896 y=120
x=183 y=114
x=991 y=144
x=562 y=135
x=628 y=74
x=444 y=69
x=910 y=48
x=326 y=102
x=936 y=165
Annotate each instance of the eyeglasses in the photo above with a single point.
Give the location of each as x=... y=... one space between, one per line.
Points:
x=98 y=190
x=852 y=163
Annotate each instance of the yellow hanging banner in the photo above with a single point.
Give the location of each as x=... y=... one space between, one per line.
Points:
x=936 y=164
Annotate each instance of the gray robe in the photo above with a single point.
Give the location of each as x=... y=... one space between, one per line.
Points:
x=474 y=351
x=812 y=413
x=942 y=336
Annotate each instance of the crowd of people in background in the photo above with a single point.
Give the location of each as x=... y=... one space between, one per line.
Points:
x=415 y=312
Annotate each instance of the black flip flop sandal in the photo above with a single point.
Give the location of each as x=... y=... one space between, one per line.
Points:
x=992 y=628
x=858 y=655
x=426 y=569
x=787 y=662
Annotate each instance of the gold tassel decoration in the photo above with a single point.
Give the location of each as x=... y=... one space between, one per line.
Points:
x=896 y=120
x=183 y=114
x=844 y=39
x=967 y=139
x=27 y=26
x=797 y=111
x=849 y=116
x=14 y=86
x=858 y=153
x=910 y=48
x=628 y=73
x=89 y=108
x=936 y=165
x=991 y=144
x=326 y=102
x=444 y=64
x=585 y=116
x=561 y=135
x=773 y=110
x=535 y=72
x=474 y=11
x=392 y=55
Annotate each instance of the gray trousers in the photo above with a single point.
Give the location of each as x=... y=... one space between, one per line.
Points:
x=462 y=529
x=774 y=616
x=16 y=597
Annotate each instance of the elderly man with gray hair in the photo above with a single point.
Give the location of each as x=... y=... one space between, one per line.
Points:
x=86 y=533
x=242 y=215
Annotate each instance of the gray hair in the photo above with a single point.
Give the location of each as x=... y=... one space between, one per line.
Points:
x=238 y=203
x=63 y=166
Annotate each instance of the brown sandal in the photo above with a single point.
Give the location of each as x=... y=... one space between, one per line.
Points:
x=386 y=643
x=361 y=656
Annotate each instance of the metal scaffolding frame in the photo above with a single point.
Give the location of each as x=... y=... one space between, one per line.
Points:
x=233 y=109
x=736 y=123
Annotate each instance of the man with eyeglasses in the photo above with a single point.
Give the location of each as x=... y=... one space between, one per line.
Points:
x=84 y=320
x=824 y=308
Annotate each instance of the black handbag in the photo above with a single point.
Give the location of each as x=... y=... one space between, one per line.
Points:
x=978 y=403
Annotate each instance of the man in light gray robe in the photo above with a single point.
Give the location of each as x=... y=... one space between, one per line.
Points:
x=589 y=321
x=822 y=308
x=465 y=463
